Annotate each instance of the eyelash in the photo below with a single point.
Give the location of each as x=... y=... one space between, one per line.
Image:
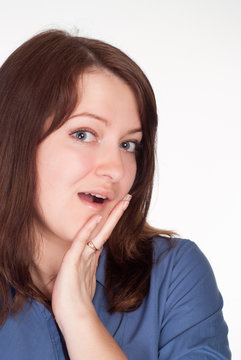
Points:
x=136 y=144
x=76 y=132
x=85 y=130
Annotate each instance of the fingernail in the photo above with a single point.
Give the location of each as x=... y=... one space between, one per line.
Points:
x=125 y=205
x=127 y=197
x=126 y=202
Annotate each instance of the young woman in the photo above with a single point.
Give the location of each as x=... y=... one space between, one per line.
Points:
x=82 y=274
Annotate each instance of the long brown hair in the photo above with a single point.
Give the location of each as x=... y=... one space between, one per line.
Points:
x=37 y=81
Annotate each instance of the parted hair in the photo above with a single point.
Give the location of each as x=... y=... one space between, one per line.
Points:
x=39 y=81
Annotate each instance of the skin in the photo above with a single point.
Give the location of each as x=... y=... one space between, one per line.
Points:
x=94 y=151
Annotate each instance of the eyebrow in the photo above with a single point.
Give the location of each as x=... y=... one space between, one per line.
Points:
x=105 y=121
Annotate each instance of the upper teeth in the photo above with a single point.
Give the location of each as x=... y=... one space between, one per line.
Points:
x=97 y=195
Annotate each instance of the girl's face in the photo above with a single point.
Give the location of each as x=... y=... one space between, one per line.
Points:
x=87 y=165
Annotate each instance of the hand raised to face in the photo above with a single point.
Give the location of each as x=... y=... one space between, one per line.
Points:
x=75 y=283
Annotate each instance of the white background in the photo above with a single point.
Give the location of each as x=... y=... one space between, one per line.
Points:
x=191 y=52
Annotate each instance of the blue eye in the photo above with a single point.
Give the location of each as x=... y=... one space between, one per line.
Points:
x=129 y=146
x=84 y=135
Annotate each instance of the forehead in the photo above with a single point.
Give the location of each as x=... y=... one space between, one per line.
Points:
x=102 y=93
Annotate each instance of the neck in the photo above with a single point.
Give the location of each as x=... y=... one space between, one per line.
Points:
x=47 y=263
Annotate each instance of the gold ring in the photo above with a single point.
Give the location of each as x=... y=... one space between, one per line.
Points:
x=92 y=246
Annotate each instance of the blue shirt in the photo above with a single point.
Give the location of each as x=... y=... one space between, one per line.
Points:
x=180 y=319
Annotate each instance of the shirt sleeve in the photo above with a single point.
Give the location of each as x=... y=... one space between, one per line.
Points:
x=193 y=327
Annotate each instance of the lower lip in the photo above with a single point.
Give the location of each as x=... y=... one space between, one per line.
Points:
x=93 y=205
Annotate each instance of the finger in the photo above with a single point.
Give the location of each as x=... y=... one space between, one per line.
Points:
x=80 y=240
x=111 y=222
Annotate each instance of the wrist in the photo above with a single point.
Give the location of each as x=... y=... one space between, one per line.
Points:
x=70 y=320
x=87 y=335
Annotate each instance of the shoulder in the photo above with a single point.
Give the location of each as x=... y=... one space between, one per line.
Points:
x=181 y=316
x=190 y=304
x=173 y=245
x=182 y=270
x=178 y=253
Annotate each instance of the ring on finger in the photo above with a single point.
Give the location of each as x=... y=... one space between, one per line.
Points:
x=92 y=246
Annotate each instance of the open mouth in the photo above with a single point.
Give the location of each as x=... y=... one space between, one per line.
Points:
x=93 y=198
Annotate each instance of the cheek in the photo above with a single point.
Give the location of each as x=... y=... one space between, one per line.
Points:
x=59 y=176
x=64 y=168
x=130 y=171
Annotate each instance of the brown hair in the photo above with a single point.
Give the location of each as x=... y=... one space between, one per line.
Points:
x=38 y=81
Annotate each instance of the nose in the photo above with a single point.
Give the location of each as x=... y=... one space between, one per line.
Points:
x=110 y=164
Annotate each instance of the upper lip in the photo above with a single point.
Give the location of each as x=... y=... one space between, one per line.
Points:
x=109 y=194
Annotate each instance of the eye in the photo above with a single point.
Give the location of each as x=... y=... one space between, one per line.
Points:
x=129 y=146
x=84 y=135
